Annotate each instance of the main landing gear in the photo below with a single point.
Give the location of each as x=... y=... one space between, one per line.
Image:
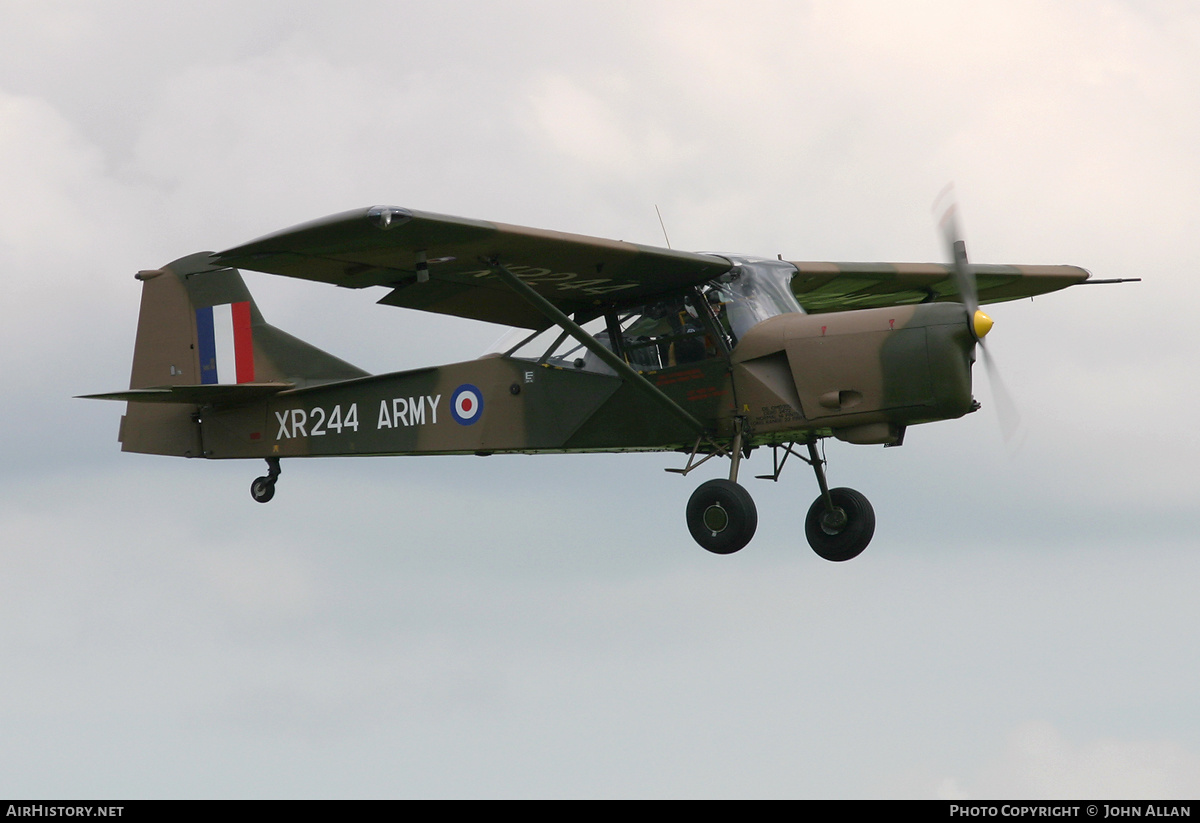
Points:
x=721 y=514
x=840 y=522
x=722 y=517
x=263 y=488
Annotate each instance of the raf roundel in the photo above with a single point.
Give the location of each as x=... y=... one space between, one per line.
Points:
x=466 y=404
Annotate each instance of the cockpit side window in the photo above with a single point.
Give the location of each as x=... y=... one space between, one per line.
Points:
x=659 y=335
x=666 y=333
x=674 y=330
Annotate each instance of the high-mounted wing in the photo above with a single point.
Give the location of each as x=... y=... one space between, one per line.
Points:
x=443 y=264
x=825 y=287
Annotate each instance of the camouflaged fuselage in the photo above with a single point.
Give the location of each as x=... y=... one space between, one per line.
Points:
x=792 y=377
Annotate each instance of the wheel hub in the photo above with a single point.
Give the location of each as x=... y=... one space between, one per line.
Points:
x=716 y=519
x=832 y=522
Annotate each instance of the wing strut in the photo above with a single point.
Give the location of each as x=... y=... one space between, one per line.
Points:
x=630 y=375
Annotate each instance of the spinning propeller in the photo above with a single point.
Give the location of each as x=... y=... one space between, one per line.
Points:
x=980 y=324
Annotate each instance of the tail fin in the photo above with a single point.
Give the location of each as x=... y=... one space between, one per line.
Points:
x=201 y=339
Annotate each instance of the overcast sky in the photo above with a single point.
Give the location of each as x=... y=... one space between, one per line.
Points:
x=1024 y=622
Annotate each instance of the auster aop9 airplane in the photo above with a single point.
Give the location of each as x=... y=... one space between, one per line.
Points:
x=629 y=348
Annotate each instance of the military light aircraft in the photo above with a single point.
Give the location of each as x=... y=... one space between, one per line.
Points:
x=624 y=347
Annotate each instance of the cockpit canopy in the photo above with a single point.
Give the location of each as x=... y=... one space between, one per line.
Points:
x=754 y=290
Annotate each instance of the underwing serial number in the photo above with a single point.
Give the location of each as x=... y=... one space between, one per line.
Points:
x=563 y=280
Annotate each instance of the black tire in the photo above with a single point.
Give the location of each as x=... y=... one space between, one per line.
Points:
x=721 y=516
x=262 y=489
x=847 y=541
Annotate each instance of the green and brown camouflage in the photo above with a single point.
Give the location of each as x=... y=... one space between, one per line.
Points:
x=674 y=351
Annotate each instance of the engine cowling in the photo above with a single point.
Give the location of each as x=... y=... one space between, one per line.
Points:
x=863 y=375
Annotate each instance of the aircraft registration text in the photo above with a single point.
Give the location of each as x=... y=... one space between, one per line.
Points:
x=314 y=423
x=396 y=412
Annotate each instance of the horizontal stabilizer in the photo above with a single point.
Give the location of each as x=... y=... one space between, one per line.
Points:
x=231 y=394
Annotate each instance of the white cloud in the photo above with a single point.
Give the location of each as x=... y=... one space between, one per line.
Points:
x=1038 y=762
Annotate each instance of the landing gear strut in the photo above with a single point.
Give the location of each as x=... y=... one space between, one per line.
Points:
x=263 y=488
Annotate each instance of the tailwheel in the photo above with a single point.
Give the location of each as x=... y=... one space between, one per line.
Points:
x=843 y=532
x=263 y=488
x=721 y=516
